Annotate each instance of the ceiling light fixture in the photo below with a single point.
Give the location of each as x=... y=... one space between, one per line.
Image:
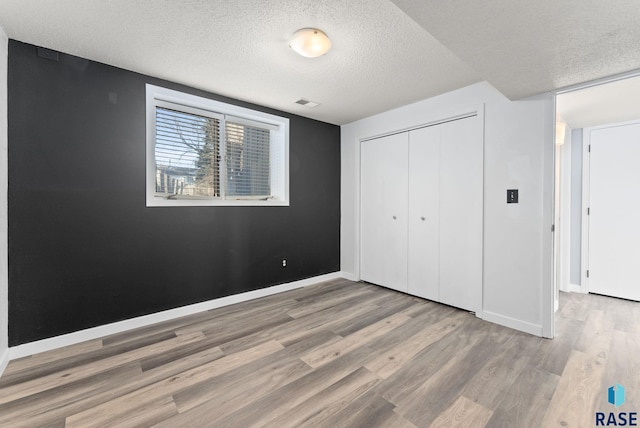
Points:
x=310 y=42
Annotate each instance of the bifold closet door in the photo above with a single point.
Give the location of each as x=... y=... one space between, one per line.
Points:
x=461 y=213
x=384 y=193
x=424 y=213
x=371 y=156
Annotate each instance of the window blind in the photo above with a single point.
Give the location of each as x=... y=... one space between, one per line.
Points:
x=202 y=152
x=247 y=161
x=187 y=154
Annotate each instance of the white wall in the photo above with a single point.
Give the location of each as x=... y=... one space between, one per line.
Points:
x=4 y=299
x=576 y=206
x=563 y=227
x=518 y=264
x=565 y=212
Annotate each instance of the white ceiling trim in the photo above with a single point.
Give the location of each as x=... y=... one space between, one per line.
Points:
x=597 y=82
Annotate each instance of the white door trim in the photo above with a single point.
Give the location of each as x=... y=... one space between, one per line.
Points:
x=584 y=265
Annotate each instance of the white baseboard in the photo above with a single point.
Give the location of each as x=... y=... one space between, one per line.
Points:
x=349 y=276
x=44 y=345
x=513 y=323
x=572 y=288
x=4 y=360
x=575 y=288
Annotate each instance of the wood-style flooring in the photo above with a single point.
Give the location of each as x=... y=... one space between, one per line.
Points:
x=336 y=354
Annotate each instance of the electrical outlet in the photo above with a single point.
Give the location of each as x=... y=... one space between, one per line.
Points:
x=284 y=262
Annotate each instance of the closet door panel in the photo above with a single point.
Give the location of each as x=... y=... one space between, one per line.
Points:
x=394 y=211
x=371 y=163
x=461 y=205
x=424 y=213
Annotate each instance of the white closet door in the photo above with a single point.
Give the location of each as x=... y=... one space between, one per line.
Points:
x=424 y=213
x=614 y=221
x=371 y=159
x=384 y=193
x=394 y=211
x=461 y=196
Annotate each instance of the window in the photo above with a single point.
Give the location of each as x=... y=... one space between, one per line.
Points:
x=203 y=152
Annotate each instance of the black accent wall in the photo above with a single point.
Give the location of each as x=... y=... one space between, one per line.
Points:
x=84 y=250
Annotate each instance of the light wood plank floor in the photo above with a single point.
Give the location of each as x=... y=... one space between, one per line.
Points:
x=336 y=354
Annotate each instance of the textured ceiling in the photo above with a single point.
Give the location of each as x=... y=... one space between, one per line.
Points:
x=381 y=57
x=525 y=47
x=598 y=105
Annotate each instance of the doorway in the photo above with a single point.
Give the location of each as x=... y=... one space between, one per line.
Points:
x=602 y=181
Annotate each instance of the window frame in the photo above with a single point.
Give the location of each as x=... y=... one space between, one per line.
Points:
x=192 y=104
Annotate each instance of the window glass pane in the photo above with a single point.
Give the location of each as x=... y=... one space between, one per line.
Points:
x=248 y=161
x=201 y=152
x=187 y=154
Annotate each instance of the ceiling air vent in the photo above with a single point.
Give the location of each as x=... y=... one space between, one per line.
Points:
x=307 y=103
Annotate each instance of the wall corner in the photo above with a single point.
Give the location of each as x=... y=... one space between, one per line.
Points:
x=4 y=269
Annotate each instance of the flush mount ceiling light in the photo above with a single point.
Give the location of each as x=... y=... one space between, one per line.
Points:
x=310 y=42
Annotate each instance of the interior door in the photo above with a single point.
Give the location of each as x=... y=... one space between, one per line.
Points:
x=424 y=213
x=461 y=213
x=394 y=173
x=614 y=220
